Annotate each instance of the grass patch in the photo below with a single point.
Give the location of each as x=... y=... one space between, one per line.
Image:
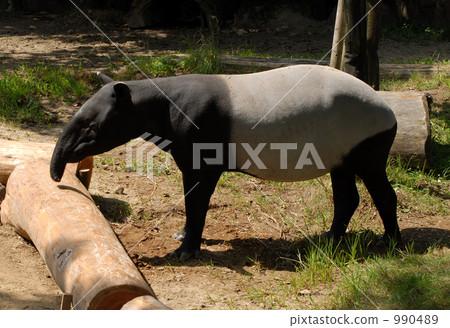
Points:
x=322 y=260
x=434 y=59
x=423 y=189
x=23 y=89
x=203 y=57
x=151 y=66
x=416 y=82
x=246 y=52
x=404 y=282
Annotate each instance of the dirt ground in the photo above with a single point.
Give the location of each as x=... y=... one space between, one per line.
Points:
x=247 y=243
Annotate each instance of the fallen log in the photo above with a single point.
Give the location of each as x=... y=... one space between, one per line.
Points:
x=413 y=140
x=237 y=64
x=81 y=250
x=12 y=153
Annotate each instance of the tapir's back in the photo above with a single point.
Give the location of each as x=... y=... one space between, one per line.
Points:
x=303 y=104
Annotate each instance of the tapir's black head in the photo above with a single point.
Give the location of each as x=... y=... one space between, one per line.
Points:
x=102 y=123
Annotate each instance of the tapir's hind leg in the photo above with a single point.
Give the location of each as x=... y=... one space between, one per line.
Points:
x=369 y=162
x=345 y=198
x=385 y=200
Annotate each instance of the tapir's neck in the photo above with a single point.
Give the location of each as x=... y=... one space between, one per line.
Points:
x=151 y=109
x=174 y=107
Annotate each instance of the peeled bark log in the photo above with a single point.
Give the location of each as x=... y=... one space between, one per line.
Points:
x=237 y=64
x=81 y=250
x=13 y=153
x=413 y=139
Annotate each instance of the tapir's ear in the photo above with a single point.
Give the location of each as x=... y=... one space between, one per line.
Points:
x=104 y=78
x=121 y=90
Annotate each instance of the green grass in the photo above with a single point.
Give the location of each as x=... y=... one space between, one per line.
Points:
x=406 y=281
x=23 y=89
x=416 y=82
x=423 y=190
x=434 y=59
x=203 y=57
x=246 y=52
x=152 y=67
x=352 y=275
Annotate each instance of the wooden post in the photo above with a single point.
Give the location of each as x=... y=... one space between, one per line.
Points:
x=354 y=50
x=81 y=250
x=373 y=38
x=12 y=153
x=357 y=54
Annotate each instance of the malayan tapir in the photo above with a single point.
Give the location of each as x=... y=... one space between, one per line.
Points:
x=261 y=122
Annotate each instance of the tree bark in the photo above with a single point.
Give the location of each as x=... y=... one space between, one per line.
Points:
x=358 y=54
x=79 y=247
x=339 y=32
x=355 y=42
x=373 y=39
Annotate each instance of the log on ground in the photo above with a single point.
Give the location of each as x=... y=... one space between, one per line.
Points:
x=78 y=245
x=237 y=64
x=413 y=140
x=12 y=153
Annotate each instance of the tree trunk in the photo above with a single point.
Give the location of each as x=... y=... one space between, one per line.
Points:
x=358 y=53
x=82 y=252
x=355 y=43
x=339 y=32
x=373 y=39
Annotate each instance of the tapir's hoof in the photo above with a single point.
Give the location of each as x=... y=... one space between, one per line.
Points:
x=184 y=255
x=388 y=241
x=179 y=235
x=330 y=235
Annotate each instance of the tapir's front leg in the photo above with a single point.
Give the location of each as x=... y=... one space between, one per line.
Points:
x=198 y=188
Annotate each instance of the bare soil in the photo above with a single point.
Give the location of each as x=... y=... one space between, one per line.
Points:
x=250 y=245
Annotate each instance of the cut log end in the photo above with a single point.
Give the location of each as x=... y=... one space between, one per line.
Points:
x=413 y=140
x=144 y=303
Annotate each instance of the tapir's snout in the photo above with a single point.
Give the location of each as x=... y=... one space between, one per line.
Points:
x=57 y=165
x=60 y=156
